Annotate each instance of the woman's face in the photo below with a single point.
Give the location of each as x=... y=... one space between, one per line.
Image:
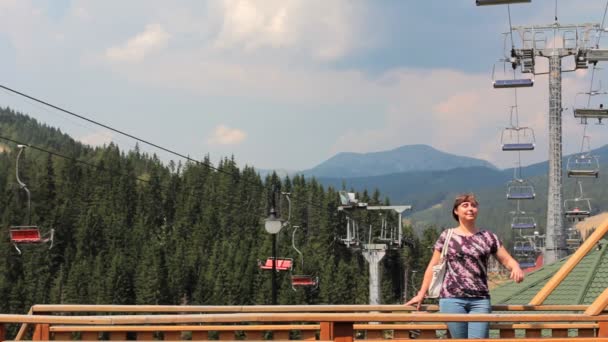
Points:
x=466 y=211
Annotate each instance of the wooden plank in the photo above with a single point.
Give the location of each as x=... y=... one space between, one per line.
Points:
x=308 y=335
x=531 y=339
x=572 y=261
x=280 y=335
x=603 y=330
x=376 y=334
x=23 y=326
x=599 y=304
x=260 y=327
x=226 y=335
x=41 y=332
x=586 y=332
x=343 y=332
x=118 y=336
x=559 y=332
x=430 y=334
x=58 y=308
x=255 y=335
x=506 y=333
x=300 y=317
x=145 y=336
x=89 y=336
x=172 y=335
x=198 y=335
x=533 y=333
x=326 y=331
x=62 y=336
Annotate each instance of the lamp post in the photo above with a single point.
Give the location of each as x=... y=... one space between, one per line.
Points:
x=273 y=226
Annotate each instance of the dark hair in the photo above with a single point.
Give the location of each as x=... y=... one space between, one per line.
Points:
x=461 y=199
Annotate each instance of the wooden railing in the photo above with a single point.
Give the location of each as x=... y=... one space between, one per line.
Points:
x=340 y=323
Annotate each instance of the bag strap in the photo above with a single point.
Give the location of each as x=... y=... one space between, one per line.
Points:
x=444 y=250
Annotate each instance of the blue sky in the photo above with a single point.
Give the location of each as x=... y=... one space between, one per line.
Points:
x=283 y=83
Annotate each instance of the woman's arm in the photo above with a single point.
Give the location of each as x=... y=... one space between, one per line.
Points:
x=511 y=264
x=426 y=281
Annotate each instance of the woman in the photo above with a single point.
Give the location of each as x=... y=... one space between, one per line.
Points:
x=465 y=286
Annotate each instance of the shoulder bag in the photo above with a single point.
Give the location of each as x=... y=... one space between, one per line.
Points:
x=440 y=269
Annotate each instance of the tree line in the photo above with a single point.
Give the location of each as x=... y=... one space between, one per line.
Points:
x=130 y=229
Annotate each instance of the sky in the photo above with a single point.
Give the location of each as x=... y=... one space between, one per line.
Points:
x=286 y=84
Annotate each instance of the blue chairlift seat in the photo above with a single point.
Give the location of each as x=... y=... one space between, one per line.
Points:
x=518 y=147
x=523 y=222
x=521 y=195
x=516 y=83
x=527 y=264
x=523 y=248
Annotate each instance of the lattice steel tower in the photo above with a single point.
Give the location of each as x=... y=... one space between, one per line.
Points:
x=575 y=41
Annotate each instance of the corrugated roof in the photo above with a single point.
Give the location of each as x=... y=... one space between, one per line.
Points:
x=582 y=286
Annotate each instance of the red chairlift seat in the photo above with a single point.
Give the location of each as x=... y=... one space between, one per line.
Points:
x=304 y=281
x=27 y=234
x=21 y=235
x=281 y=264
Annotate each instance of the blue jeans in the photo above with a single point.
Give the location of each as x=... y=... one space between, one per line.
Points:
x=466 y=305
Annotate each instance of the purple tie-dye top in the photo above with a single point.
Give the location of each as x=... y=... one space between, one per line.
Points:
x=467 y=257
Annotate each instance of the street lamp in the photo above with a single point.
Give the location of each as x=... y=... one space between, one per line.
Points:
x=273 y=226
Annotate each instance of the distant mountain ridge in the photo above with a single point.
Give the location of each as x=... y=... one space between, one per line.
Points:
x=408 y=158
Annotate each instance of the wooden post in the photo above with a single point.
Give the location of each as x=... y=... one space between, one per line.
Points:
x=603 y=330
x=2 y=332
x=326 y=331
x=598 y=305
x=574 y=259
x=336 y=331
x=343 y=331
x=41 y=332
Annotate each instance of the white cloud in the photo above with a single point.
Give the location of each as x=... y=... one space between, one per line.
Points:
x=153 y=38
x=97 y=139
x=322 y=30
x=224 y=135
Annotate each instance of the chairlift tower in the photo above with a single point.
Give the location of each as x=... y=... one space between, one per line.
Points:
x=372 y=252
x=576 y=42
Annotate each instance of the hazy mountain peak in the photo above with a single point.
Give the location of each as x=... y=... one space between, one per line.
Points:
x=407 y=158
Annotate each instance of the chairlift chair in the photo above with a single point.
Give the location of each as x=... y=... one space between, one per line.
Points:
x=523 y=246
x=282 y=264
x=517 y=139
x=516 y=81
x=298 y=281
x=519 y=189
x=523 y=222
x=592 y=108
x=499 y=2
x=29 y=234
x=583 y=165
x=578 y=208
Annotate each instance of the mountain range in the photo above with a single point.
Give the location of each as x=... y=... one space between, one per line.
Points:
x=408 y=158
x=431 y=190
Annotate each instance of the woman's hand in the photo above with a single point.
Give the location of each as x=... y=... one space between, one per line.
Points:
x=517 y=275
x=417 y=300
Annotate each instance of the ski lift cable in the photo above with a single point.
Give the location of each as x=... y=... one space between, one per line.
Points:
x=133 y=137
x=97 y=167
x=510 y=26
